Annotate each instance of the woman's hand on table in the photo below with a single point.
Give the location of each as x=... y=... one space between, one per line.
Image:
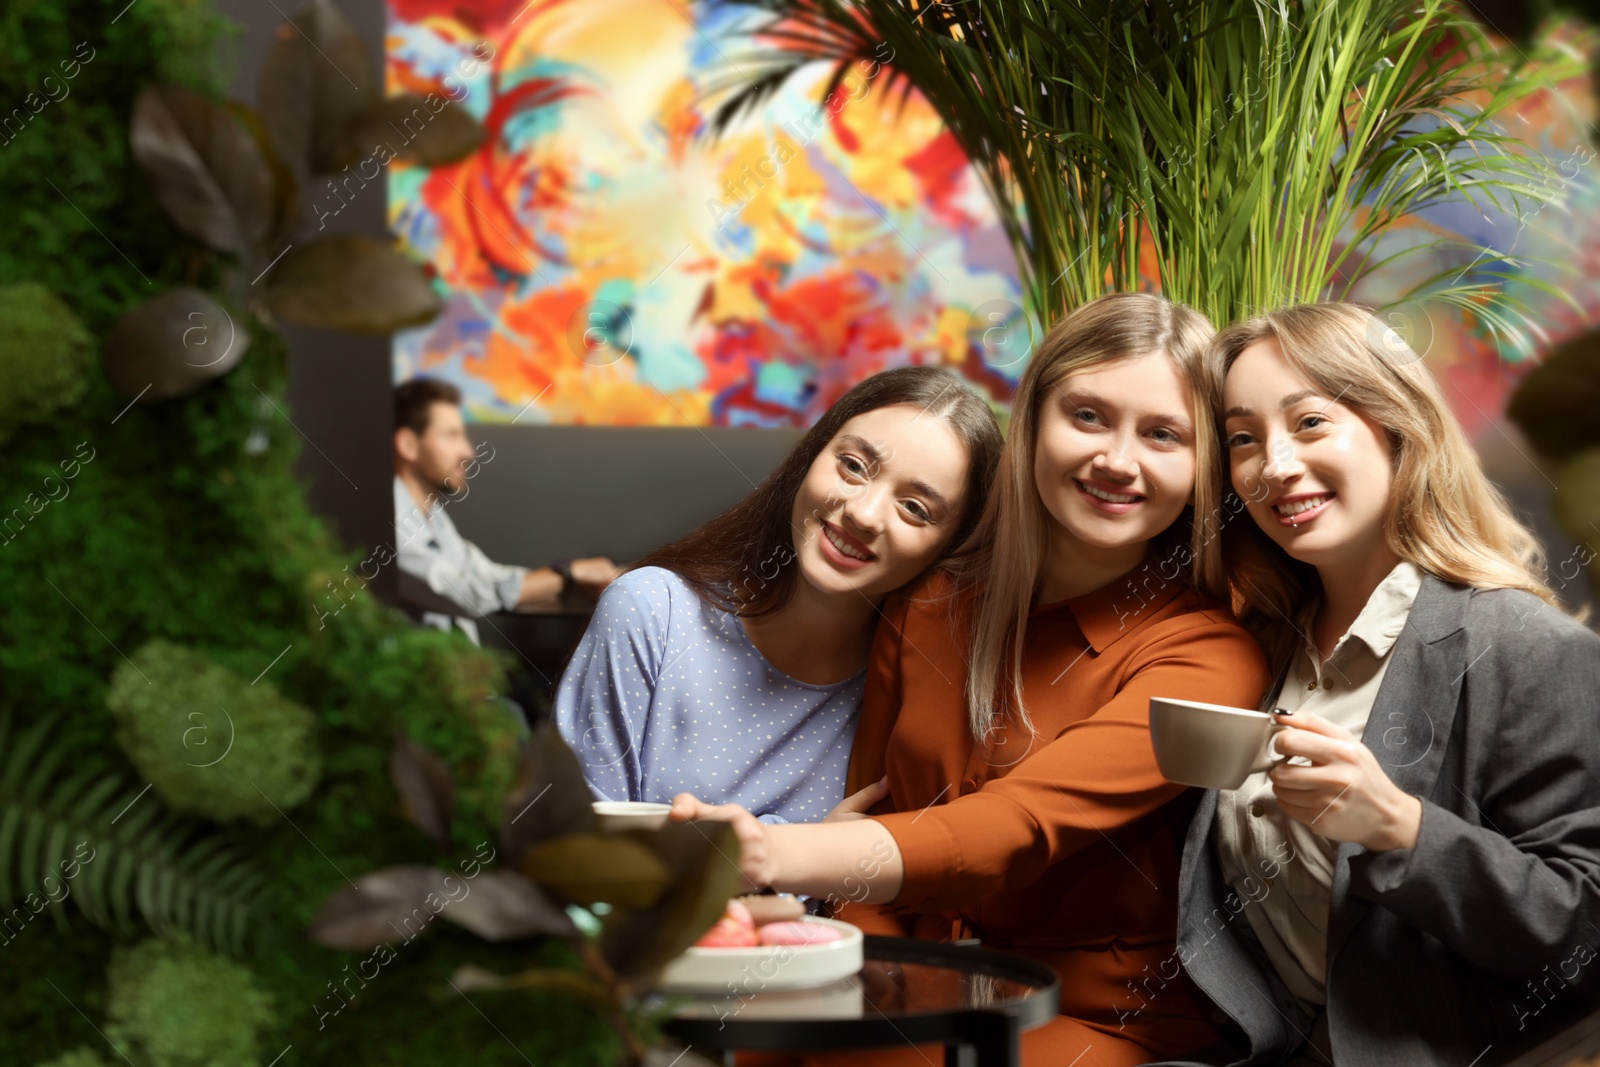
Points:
x=1343 y=794
x=757 y=860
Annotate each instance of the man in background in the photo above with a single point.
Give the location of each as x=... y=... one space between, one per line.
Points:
x=439 y=570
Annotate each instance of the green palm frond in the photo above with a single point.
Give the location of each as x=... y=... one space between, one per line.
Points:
x=1263 y=148
x=1023 y=88
x=144 y=866
x=1324 y=129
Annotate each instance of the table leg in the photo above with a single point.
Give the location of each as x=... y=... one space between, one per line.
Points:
x=995 y=1036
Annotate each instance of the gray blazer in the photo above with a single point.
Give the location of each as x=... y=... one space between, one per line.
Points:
x=1481 y=940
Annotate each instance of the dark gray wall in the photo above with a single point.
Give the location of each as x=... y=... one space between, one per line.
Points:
x=549 y=492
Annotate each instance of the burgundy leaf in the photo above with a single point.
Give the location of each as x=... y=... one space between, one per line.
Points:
x=422 y=778
x=380 y=907
x=205 y=168
x=346 y=87
x=703 y=859
x=285 y=181
x=430 y=131
x=551 y=797
x=599 y=868
x=503 y=906
x=351 y=283
x=172 y=345
x=288 y=97
x=315 y=83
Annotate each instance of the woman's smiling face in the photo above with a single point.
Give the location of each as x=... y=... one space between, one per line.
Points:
x=1327 y=468
x=880 y=503
x=1114 y=460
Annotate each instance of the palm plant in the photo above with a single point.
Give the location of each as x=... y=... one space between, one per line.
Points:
x=1257 y=152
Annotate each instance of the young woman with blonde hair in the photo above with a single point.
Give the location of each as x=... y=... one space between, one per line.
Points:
x=1007 y=703
x=1420 y=879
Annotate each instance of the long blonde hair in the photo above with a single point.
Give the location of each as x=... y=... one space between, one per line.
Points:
x=1443 y=515
x=1014 y=531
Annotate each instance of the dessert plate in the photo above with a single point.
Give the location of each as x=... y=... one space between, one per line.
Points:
x=742 y=972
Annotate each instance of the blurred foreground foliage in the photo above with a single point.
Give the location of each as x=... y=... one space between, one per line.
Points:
x=181 y=522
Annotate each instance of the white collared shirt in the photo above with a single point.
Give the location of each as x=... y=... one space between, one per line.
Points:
x=432 y=550
x=1279 y=865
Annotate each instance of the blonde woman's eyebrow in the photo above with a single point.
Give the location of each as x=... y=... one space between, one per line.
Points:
x=1092 y=400
x=1078 y=396
x=1241 y=411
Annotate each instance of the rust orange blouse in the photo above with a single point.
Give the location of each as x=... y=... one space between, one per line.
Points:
x=1066 y=850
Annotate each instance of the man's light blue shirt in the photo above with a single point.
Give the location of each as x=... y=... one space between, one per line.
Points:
x=433 y=553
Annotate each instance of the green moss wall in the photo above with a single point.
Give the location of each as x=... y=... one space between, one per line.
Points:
x=181 y=522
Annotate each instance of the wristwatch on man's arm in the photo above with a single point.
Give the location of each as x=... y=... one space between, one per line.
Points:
x=563 y=567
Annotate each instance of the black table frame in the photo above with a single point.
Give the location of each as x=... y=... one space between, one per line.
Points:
x=993 y=1032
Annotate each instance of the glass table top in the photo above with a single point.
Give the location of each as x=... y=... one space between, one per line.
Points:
x=885 y=987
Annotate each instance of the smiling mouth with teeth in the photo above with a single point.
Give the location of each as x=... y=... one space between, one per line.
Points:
x=1110 y=498
x=1298 y=507
x=838 y=542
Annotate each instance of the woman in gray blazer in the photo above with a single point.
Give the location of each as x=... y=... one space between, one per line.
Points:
x=1418 y=882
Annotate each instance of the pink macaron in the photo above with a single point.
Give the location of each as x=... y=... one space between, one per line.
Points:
x=728 y=933
x=797 y=933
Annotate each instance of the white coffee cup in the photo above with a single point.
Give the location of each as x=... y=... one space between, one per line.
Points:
x=1211 y=745
x=618 y=815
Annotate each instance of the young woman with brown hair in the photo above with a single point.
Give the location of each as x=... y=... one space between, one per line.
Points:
x=731 y=662
x=1008 y=700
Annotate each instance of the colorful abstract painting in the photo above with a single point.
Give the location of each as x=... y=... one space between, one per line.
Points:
x=604 y=261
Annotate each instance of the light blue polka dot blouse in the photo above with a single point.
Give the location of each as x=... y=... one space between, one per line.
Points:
x=666 y=694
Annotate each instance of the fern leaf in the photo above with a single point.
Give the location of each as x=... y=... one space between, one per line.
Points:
x=149 y=867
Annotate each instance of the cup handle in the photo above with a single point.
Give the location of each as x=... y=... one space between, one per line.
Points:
x=1270 y=757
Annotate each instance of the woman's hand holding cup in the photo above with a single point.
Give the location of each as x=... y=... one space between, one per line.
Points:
x=1343 y=793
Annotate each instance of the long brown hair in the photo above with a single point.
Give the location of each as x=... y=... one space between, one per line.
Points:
x=1015 y=528
x=1443 y=513
x=740 y=560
